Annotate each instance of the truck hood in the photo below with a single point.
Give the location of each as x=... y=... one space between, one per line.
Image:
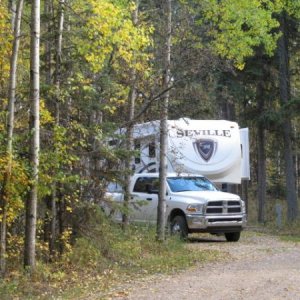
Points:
x=205 y=196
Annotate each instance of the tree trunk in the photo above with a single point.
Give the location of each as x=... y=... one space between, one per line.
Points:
x=48 y=81
x=60 y=29
x=34 y=129
x=53 y=214
x=163 y=164
x=57 y=81
x=261 y=171
x=261 y=145
x=48 y=15
x=13 y=10
x=129 y=132
x=10 y=129
x=284 y=86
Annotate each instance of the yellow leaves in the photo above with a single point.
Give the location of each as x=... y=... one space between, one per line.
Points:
x=112 y=36
x=5 y=43
x=45 y=115
x=69 y=209
x=15 y=187
x=65 y=238
x=113 y=46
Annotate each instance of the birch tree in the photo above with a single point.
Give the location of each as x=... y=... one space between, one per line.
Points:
x=129 y=132
x=34 y=131
x=161 y=209
x=10 y=129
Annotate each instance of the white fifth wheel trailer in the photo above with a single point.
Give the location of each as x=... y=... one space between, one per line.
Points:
x=217 y=149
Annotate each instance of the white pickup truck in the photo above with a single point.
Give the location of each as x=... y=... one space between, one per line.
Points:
x=193 y=204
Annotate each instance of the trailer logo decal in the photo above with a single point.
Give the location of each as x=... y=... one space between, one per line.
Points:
x=205 y=147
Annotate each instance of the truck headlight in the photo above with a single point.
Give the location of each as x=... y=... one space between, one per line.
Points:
x=195 y=208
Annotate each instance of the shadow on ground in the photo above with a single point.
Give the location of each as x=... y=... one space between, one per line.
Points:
x=219 y=239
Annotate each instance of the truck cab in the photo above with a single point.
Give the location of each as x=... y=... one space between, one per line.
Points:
x=193 y=204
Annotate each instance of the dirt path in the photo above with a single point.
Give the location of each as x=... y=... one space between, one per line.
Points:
x=257 y=267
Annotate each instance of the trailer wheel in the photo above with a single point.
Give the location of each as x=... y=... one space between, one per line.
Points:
x=179 y=227
x=232 y=236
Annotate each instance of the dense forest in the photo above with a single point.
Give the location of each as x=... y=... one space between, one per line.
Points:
x=73 y=71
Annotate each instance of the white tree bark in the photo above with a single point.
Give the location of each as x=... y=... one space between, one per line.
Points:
x=129 y=132
x=10 y=129
x=163 y=166
x=34 y=131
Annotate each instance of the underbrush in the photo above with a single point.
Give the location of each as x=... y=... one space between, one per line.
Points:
x=101 y=256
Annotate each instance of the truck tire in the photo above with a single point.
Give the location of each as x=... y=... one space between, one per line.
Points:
x=232 y=236
x=179 y=227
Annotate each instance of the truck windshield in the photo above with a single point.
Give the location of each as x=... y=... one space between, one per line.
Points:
x=181 y=184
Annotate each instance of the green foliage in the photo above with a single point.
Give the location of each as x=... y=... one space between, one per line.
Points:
x=57 y=159
x=16 y=188
x=109 y=35
x=241 y=25
x=292 y=7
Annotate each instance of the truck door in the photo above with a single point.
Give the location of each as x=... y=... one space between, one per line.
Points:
x=144 y=199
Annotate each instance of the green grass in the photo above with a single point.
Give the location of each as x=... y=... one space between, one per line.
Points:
x=289 y=232
x=291 y=238
x=103 y=257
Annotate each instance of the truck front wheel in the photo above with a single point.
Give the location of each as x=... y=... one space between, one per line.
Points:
x=232 y=236
x=179 y=227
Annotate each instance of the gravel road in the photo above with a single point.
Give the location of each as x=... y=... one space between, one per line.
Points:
x=259 y=266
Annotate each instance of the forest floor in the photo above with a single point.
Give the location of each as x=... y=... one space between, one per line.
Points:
x=259 y=266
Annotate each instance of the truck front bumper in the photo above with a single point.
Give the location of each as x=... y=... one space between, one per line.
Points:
x=216 y=223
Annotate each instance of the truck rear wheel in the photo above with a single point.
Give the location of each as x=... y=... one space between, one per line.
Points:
x=179 y=227
x=232 y=236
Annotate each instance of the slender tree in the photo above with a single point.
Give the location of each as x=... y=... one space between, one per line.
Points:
x=10 y=129
x=285 y=97
x=57 y=82
x=161 y=209
x=261 y=153
x=47 y=40
x=129 y=131
x=12 y=5
x=34 y=131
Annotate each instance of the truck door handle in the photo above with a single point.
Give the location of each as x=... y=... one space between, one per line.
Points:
x=149 y=199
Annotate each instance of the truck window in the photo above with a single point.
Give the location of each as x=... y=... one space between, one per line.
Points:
x=180 y=184
x=143 y=183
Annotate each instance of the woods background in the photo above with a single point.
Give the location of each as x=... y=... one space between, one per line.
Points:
x=98 y=65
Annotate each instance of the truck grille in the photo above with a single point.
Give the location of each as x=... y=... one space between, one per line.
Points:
x=223 y=207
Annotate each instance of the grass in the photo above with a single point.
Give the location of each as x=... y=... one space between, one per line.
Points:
x=103 y=257
x=291 y=238
x=288 y=232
